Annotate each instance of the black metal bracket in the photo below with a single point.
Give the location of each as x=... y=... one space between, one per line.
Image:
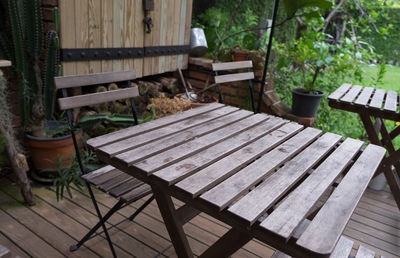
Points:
x=166 y=50
x=92 y=54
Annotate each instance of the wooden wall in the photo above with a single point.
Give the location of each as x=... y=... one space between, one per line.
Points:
x=118 y=23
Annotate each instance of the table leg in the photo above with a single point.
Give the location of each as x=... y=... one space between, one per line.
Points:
x=228 y=244
x=394 y=156
x=173 y=224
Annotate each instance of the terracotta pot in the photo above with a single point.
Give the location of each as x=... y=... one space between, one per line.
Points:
x=239 y=55
x=46 y=152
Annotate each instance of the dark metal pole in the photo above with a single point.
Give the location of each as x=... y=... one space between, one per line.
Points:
x=276 y=5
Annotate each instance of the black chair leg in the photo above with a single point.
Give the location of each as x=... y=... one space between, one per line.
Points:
x=101 y=223
x=144 y=205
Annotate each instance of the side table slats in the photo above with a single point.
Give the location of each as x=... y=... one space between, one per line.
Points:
x=222 y=194
x=377 y=99
x=351 y=94
x=136 y=130
x=155 y=147
x=259 y=200
x=391 y=101
x=222 y=169
x=192 y=164
x=324 y=230
x=339 y=92
x=364 y=96
x=289 y=214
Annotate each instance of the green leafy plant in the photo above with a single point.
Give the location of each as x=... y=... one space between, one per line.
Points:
x=70 y=174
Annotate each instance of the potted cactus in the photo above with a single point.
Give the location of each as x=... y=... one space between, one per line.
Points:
x=21 y=41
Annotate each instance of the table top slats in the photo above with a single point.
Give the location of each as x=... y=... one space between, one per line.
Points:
x=224 y=193
x=265 y=195
x=377 y=99
x=289 y=214
x=364 y=96
x=155 y=147
x=136 y=130
x=339 y=92
x=352 y=93
x=343 y=248
x=391 y=101
x=190 y=165
x=135 y=141
x=180 y=152
x=324 y=230
x=364 y=253
x=212 y=175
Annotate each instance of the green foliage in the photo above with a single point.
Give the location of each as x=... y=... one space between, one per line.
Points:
x=120 y=120
x=71 y=174
x=21 y=42
x=293 y=6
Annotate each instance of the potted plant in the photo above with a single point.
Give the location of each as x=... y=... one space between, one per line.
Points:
x=21 y=38
x=312 y=56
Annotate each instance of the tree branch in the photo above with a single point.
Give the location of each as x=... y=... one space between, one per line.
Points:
x=331 y=15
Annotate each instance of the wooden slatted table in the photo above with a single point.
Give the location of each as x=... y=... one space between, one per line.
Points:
x=291 y=187
x=374 y=106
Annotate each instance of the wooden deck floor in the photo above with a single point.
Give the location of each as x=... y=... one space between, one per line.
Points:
x=50 y=227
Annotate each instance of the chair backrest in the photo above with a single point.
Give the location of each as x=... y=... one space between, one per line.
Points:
x=234 y=77
x=74 y=81
x=68 y=103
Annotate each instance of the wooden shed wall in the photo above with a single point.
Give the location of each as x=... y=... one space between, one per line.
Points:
x=119 y=24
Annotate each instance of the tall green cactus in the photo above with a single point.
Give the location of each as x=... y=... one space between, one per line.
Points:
x=20 y=59
x=51 y=70
x=36 y=96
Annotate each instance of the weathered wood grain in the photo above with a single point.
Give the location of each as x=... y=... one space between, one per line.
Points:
x=364 y=253
x=135 y=141
x=192 y=164
x=234 y=77
x=391 y=101
x=377 y=99
x=107 y=33
x=289 y=214
x=232 y=65
x=339 y=92
x=118 y=30
x=178 y=153
x=93 y=79
x=97 y=98
x=327 y=226
x=95 y=32
x=351 y=94
x=155 y=147
x=82 y=33
x=259 y=200
x=222 y=169
x=364 y=96
x=67 y=32
x=224 y=193
x=132 y=131
x=343 y=248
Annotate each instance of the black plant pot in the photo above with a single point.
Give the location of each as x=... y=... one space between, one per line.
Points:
x=305 y=104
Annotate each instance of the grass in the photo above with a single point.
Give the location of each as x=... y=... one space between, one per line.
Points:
x=391 y=79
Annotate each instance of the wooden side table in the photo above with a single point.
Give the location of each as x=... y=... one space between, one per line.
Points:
x=374 y=106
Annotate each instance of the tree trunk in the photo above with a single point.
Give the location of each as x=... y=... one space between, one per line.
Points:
x=18 y=167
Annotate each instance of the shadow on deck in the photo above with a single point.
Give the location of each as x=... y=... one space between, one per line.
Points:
x=50 y=227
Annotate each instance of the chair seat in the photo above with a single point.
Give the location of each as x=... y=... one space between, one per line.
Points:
x=117 y=183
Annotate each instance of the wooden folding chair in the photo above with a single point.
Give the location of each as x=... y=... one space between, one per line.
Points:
x=108 y=179
x=234 y=77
